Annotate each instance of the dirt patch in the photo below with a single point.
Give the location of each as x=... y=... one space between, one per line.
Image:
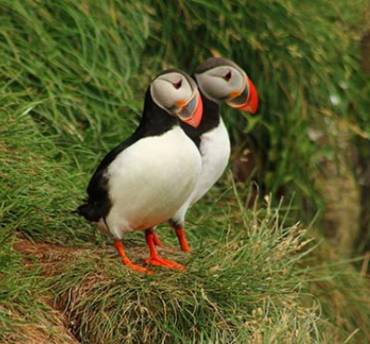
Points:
x=50 y=329
x=45 y=251
x=51 y=257
x=60 y=322
x=53 y=325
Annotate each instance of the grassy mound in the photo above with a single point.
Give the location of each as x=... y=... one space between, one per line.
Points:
x=243 y=283
x=72 y=79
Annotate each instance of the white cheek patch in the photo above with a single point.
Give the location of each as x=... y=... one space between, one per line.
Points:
x=219 y=71
x=237 y=81
x=214 y=85
x=162 y=93
x=185 y=92
x=165 y=94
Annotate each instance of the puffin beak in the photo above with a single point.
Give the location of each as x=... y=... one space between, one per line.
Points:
x=247 y=100
x=191 y=112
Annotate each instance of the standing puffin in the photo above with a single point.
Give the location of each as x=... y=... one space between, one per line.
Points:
x=144 y=180
x=219 y=80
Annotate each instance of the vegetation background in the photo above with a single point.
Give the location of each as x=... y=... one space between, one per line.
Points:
x=284 y=262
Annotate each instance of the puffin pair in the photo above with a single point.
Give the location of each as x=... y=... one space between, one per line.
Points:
x=178 y=152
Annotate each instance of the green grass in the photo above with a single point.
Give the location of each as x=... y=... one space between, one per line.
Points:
x=253 y=291
x=82 y=67
x=72 y=80
x=211 y=301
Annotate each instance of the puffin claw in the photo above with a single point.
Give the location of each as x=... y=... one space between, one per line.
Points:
x=154 y=258
x=127 y=261
x=138 y=268
x=166 y=263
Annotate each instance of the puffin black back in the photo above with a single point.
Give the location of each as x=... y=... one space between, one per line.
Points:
x=154 y=122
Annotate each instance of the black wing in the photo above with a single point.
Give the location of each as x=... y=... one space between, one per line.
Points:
x=98 y=202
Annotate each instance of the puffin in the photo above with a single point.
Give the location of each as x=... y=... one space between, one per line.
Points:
x=219 y=80
x=144 y=180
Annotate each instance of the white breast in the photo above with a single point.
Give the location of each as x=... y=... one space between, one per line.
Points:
x=215 y=152
x=150 y=180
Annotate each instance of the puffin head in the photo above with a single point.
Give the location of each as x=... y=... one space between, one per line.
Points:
x=176 y=92
x=223 y=80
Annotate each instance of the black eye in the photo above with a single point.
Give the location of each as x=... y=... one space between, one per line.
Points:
x=227 y=76
x=177 y=84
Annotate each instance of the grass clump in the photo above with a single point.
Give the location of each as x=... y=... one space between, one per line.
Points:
x=244 y=286
x=37 y=179
x=26 y=315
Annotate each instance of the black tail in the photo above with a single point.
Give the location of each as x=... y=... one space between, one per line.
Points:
x=89 y=212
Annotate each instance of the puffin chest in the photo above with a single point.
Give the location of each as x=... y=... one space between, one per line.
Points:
x=151 y=179
x=215 y=153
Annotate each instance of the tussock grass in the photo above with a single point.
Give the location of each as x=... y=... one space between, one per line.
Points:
x=37 y=179
x=26 y=315
x=72 y=79
x=253 y=291
x=81 y=68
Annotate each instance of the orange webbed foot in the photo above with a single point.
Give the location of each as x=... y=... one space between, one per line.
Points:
x=166 y=263
x=138 y=268
x=127 y=261
x=154 y=258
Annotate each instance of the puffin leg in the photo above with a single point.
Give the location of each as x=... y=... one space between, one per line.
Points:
x=126 y=260
x=157 y=241
x=181 y=236
x=154 y=258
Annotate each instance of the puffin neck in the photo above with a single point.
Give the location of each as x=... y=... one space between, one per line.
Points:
x=155 y=120
x=211 y=113
x=210 y=120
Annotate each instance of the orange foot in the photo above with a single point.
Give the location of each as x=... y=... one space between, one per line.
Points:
x=138 y=268
x=166 y=263
x=127 y=261
x=154 y=258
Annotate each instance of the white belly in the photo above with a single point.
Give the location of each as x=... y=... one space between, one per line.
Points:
x=150 y=180
x=215 y=152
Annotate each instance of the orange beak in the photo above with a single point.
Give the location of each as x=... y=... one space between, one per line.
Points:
x=251 y=102
x=196 y=112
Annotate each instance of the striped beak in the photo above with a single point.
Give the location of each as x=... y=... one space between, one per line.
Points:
x=191 y=112
x=247 y=100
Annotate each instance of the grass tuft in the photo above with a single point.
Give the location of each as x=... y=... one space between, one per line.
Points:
x=72 y=80
x=253 y=290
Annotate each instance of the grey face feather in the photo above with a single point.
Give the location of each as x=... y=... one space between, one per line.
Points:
x=218 y=78
x=170 y=87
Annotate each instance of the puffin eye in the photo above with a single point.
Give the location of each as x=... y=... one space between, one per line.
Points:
x=227 y=76
x=177 y=84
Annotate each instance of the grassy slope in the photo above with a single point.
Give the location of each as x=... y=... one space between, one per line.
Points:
x=69 y=74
